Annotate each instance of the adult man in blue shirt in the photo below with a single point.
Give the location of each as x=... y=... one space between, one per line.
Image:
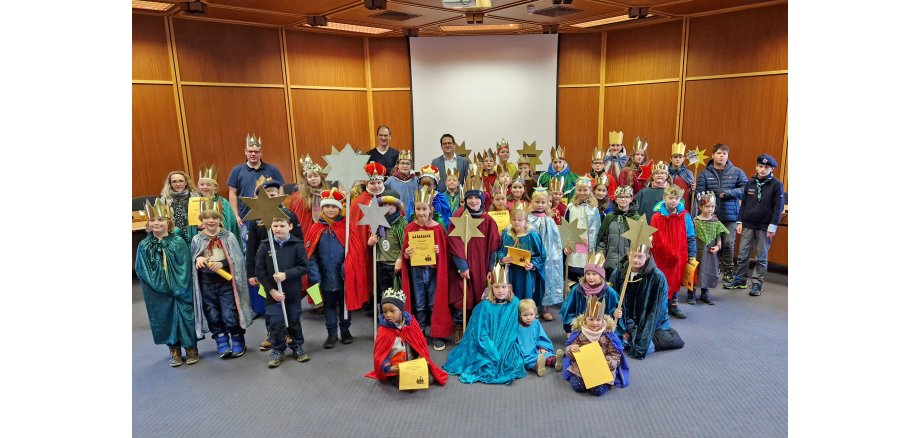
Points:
x=243 y=177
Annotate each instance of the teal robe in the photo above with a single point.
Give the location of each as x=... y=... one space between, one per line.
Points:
x=489 y=351
x=524 y=283
x=167 y=293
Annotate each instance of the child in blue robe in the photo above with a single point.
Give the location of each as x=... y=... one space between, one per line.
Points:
x=591 y=285
x=535 y=344
x=548 y=231
x=526 y=281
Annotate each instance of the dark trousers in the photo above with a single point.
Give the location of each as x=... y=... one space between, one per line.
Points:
x=334 y=310
x=275 y=319
x=727 y=253
x=579 y=386
x=220 y=308
x=424 y=280
x=385 y=274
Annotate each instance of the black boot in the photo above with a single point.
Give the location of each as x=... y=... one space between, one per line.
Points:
x=691 y=299
x=346 y=337
x=704 y=297
x=674 y=311
x=330 y=341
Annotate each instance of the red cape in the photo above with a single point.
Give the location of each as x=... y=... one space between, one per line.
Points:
x=480 y=249
x=305 y=216
x=353 y=260
x=670 y=248
x=412 y=334
x=442 y=325
x=359 y=284
x=631 y=177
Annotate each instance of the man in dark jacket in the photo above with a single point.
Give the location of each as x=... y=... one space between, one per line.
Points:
x=761 y=212
x=721 y=177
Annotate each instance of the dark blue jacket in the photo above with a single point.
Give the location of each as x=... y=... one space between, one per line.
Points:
x=292 y=260
x=731 y=184
x=762 y=214
x=328 y=262
x=259 y=234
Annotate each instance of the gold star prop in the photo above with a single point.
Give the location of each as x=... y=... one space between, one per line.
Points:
x=639 y=232
x=375 y=216
x=466 y=227
x=532 y=153
x=345 y=166
x=697 y=157
x=461 y=150
x=571 y=232
x=264 y=207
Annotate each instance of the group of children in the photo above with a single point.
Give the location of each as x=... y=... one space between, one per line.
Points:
x=195 y=278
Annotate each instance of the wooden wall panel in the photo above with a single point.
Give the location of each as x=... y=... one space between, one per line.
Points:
x=747 y=114
x=394 y=109
x=149 y=48
x=219 y=52
x=323 y=118
x=389 y=59
x=739 y=42
x=156 y=147
x=220 y=117
x=779 y=249
x=579 y=58
x=325 y=60
x=644 y=53
x=648 y=111
x=576 y=128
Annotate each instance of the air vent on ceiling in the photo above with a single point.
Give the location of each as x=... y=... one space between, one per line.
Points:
x=394 y=15
x=556 y=11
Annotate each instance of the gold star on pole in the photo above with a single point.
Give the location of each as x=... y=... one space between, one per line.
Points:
x=640 y=232
x=696 y=158
x=571 y=232
x=466 y=227
x=345 y=166
x=532 y=153
x=264 y=207
x=461 y=150
x=375 y=216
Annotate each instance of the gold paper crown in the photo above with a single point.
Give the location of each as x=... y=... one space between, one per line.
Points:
x=523 y=160
x=598 y=154
x=252 y=140
x=641 y=145
x=519 y=206
x=616 y=137
x=678 y=148
x=473 y=182
x=478 y=157
x=489 y=153
x=499 y=187
x=555 y=184
x=623 y=191
x=601 y=180
x=706 y=198
x=395 y=294
x=209 y=204
x=157 y=209
x=499 y=274
x=262 y=180
x=452 y=172
x=307 y=165
x=209 y=172
x=501 y=144
x=596 y=258
x=584 y=181
x=474 y=170
x=423 y=194
x=557 y=152
x=660 y=167
x=405 y=155
x=594 y=308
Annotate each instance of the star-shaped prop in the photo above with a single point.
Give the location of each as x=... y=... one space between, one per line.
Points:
x=639 y=232
x=646 y=171
x=466 y=227
x=571 y=232
x=375 y=216
x=532 y=153
x=264 y=207
x=696 y=158
x=345 y=166
x=461 y=150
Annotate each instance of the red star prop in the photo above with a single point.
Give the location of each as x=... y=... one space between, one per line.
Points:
x=646 y=172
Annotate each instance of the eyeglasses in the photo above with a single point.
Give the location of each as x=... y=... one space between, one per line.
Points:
x=253 y=152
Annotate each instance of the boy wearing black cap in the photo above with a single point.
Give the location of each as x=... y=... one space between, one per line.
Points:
x=761 y=211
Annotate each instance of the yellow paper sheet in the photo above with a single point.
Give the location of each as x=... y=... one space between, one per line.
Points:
x=422 y=244
x=194 y=210
x=413 y=374
x=315 y=294
x=689 y=274
x=501 y=218
x=518 y=256
x=593 y=365
x=262 y=292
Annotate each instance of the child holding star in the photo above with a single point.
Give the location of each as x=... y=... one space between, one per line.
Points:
x=389 y=241
x=358 y=291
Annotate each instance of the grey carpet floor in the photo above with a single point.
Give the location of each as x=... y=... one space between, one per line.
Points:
x=729 y=380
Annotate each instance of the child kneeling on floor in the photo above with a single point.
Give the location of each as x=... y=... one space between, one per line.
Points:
x=593 y=326
x=399 y=339
x=535 y=344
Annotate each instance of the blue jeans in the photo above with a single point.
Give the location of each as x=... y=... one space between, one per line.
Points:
x=334 y=311
x=424 y=280
x=275 y=319
x=220 y=308
x=753 y=240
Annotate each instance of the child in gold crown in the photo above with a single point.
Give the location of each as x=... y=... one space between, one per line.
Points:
x=650 y=196
x=595 y=326
x=527 y=281
x=708 y=229
x=583 y=207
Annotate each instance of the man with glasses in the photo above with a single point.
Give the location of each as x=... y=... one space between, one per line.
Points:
x=243 y=177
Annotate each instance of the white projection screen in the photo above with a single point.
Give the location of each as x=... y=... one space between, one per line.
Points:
x=482 y=89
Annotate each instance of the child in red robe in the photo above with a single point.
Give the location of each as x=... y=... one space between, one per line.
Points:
x=675 y=242
x=357 y=287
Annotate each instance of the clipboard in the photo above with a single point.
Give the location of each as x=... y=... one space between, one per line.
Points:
x=422 y=244
x=502 y=219
x=593 y=365
x=518 y=256
x=194 y=210
x=413 y=374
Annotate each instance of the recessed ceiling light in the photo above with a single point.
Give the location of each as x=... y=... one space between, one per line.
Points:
x=151 y=6
x=481 y=28
x=352 y=28
x=600 y=22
